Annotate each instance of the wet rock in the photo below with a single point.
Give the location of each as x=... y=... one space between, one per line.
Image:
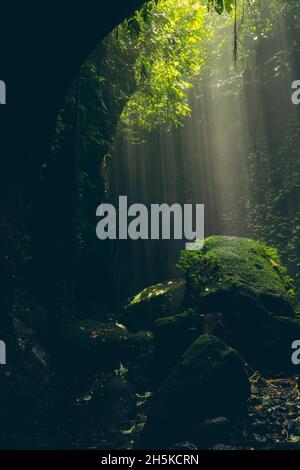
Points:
x=208 y=379
x=154 y=302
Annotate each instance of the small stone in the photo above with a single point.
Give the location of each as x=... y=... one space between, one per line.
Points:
x=184 y=446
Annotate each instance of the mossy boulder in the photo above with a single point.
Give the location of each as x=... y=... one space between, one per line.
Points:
x=174 y=334
x=209 y=380
x=231 y=272
x=245 y=282
x=154 y=302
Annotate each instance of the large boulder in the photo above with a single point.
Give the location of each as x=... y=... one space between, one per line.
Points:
x=244 y=281
x=209 y=380
x=154 y=302
x=230 y=273
x=174 y=334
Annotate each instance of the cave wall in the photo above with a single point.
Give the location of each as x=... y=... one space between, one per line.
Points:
x=42 y=48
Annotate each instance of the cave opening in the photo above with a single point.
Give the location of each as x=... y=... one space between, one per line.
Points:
x=139 y=341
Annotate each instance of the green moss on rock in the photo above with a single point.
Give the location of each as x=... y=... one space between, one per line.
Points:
x=245 y=282
x=154 y=302
x=209 y=380
x=231 y=267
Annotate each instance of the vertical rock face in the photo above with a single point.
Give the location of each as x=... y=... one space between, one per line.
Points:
x=208 y=380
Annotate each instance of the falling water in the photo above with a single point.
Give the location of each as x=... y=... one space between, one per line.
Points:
x=204 y=160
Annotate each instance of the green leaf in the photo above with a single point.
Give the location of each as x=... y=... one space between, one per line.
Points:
x=134 y=27
x=228 y=5
x=294 y=439
x=219 y=6
x=128 y=431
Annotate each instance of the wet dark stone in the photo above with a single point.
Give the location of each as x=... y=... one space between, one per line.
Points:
x=184 y=446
